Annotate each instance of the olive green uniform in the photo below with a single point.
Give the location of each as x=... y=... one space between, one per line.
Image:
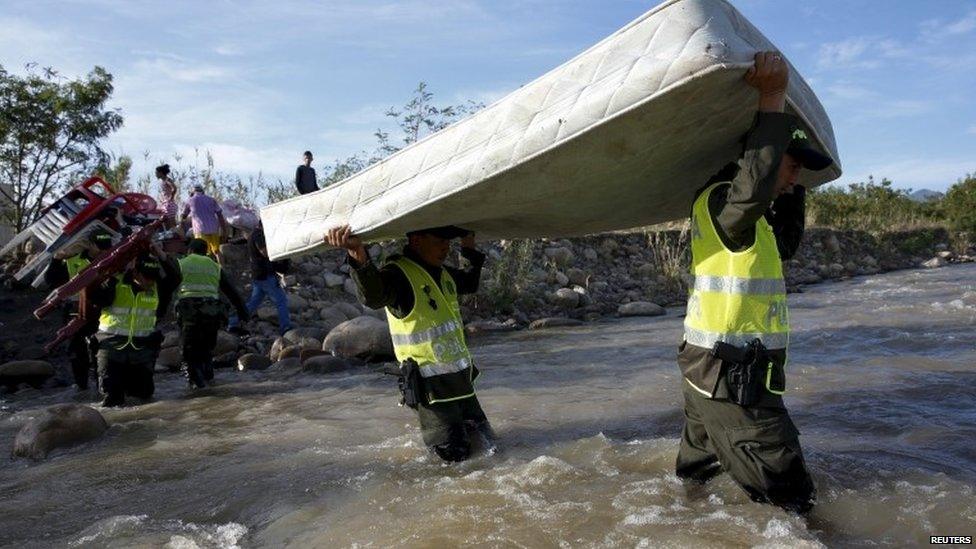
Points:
x=757 y=444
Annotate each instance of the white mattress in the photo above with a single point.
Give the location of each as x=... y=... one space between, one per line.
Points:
x=619 y=136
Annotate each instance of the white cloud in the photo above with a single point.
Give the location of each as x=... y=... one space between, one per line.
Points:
x=847 y=54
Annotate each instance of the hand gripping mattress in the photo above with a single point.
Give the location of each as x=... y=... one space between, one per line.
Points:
x=620 y=136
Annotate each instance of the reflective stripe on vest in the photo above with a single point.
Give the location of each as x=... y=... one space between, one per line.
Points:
x=201 y=277
x=737 y=296
x=131 y=314
x=433 y=335
x=75 y=264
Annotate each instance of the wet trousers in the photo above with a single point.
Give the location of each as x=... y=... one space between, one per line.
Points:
x=200 y=320
x=125 y=372
x=447 y=427
x=758 y=446
x=82 y=347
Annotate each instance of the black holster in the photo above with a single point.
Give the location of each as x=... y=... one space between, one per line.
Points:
x=745 y=368
x=409 y=382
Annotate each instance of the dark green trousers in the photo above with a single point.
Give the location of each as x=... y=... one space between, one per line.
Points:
x=758 y=446
x=200 y=319
x=447 y=427
x=125 y=372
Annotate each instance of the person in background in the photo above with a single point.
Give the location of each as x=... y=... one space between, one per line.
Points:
x=82 y=346
x=305 y=180
x=199 y=311
x=744 y=223
x=128 y=342
x=167 y=196
x=265 y=281
x=207 y=220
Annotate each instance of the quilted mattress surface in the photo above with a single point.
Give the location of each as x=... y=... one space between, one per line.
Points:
x=619 y=136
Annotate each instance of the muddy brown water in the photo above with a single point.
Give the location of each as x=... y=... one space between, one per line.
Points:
x=882 y=385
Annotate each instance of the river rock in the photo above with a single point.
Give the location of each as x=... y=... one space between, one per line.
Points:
x=559 y=255
x=290 y=351
x=365 y=337
x=333 y=280
x=832 y=244
x=561 y=279
x=485 y=326
x=640 y=308
x=170 y=358
x=295 y=335
x=553 y=322
x=26 y=369
x=349 y=285
x=267 y=313
x=331 y=317
x=590 y=254
x=226 y=343
x=59 y=426
x=577 y=276
x=293 y=363
x=296 y=302
x=171 y=339
x=935 y=262
x=327 y=364
x=253 y=361
x=351 y=311
x=566 y=298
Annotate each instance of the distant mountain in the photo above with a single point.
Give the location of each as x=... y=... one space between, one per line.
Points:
x=925 y=195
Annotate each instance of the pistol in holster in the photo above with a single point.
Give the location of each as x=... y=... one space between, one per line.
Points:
x=745 y=368
x=409 y=382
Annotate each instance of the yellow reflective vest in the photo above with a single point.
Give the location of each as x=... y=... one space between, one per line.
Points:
x=132 y=314
x=75 y=264
x=201 y=277
x=737 y=296
x=432 y=334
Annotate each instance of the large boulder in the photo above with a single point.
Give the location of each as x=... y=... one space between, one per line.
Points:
x=60 y=426
x=253 y=361
x=327 y=364
x=32 y=372
x=364 y=337
x=295 y=335
x=640 y=308
x=553 y=322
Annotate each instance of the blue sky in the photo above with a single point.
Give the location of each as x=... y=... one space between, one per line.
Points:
x=257 y=82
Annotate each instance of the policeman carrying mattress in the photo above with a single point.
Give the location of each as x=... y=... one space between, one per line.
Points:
x=744 y=223
x=420 y=294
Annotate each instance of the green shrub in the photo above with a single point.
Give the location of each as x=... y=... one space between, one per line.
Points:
x=871 y=207
x=960 y=205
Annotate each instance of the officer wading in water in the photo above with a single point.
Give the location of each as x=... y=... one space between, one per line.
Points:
x=420 y=294
x=200 y=312
x=747 y=220
x=82 y=344
x=128 y=341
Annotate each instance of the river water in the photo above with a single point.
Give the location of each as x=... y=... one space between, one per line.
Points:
x=881 y=385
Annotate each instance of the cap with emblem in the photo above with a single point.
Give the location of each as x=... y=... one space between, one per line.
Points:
x=803 y=150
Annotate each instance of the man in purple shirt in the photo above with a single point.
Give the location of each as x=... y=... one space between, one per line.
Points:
x=207 y=219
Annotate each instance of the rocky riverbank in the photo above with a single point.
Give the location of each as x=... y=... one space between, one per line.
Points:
x=525 y=284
